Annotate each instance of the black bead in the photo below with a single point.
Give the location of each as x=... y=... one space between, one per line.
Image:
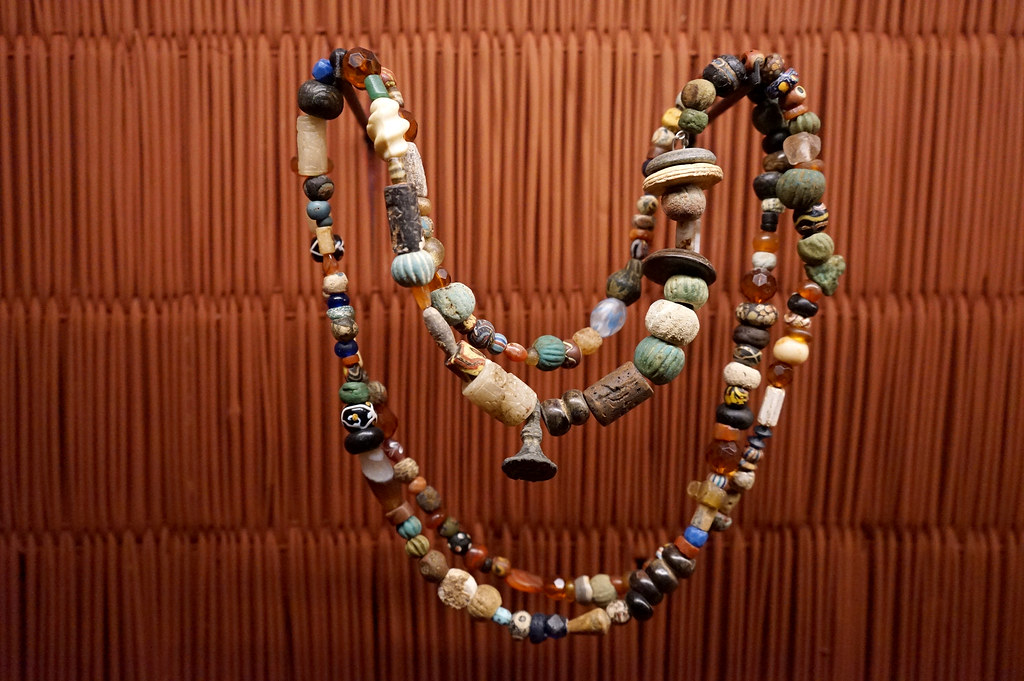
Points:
x=747 y=354
x=556 y=626
x=554 y=416
x=641 y=582
x=459 y=543
x=757 y=94
x=772 y=142
x=364 y=440
x=339 y=249
x=679 y=564
x=638 y=606
x=724 y=72
x=337 y=60
x=403 y=218
x=736 y=416
x=763 y=432
x=767 y=117
x=537 y=634
x=318 y=188
x=721 y=523
x=769 y=221
x=755 y=442
x=320 y=99
x=797 y=304
x=662 y=576
x=486 y=566
x=764 y=184
x=748 y=335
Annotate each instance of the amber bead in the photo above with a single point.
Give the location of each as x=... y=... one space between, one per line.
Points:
x=570 y=591
x=766 y=242
x=758 y=286
x=621 y=585
x=644 y=234
x=357 y=65
x=417 y=484
x=421 y=294
x=810 y=291
x=500 y=566
x=515 y=352
x=414 y=128
x=434 y=520
x=386 y=420
x=779 y=374
x=725 y=433
x=555 y=589
x=800 y=334
x=723 y=456
x=816 y=164
x=524 y=581
x=476 y=556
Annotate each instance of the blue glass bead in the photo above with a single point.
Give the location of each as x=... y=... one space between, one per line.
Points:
x=326 y=222
x=337 y=300
x=556 y=626
x=410 y=528
x=498 y=345
x=537 y=633
x=318 y=210
x=346 y=349
x=695 y=536
x=502 y=616
x=608 y=317
x=323 y=72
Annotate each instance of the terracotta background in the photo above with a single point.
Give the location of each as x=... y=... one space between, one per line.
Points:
x=175 y=502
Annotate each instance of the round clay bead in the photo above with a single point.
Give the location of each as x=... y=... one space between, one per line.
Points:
x=671 y=322
x=484 y=603
x=697 y=94
x=800 y=188
x=682 y=288
x=318 y=188
x=457 y=588
x=604 y=592
x=353 y=392
x=519 y=627
x=638 y=606
x=640 y=582
x=335 y=283
x=433 y=566
x=662 y=576
x=685 y=203
x=748 y=335
x=455 y=302
x=734 y=416
x=791 y=351
x=692 y=121
x=741 y=375
x=576 y=407
x=658 y=361
x=429 y=499
x=320 y=100
x=816 y=248
x=679 y=564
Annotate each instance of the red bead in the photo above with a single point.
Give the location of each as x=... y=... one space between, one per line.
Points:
x=476 y=556
x=393 y=450
x=435 y=519
x=515 y=352
x=524 y=581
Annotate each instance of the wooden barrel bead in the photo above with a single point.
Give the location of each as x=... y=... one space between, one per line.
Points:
x=672 y=322
x=311 y=143
x=501 y=394
x=617 y=393
x=800 y=188
x=455 y=302
x=657 y=360
x=816 y=249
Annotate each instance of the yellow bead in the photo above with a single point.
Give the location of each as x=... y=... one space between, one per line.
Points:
x=587 y=340
x=670 y=119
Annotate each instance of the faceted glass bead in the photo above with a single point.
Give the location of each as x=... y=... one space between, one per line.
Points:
x=524 y=581
x=476 y=556
x=357 y=64
x=810 y=291
x=723 y=456
x=758 y=286
x=608 y=317
x=555 y=589
x=414 y=128
x=802 y=147
x=779 y=374
x=767 y=242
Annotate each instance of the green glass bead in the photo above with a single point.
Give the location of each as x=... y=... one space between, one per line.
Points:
x=354 y=392
x=550 y=352
x=375 y=87
x=805 y=122
x=692 y=291
x=800 y=188
x=657 y=360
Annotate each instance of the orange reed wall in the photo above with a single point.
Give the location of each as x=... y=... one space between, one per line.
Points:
x=175 y=502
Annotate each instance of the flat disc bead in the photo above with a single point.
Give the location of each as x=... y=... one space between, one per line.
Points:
x=692 y=291
x=678 y=157
x=671 y=322
x=668 y=262
x=703 y=175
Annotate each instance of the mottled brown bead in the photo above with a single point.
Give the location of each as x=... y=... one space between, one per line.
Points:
x=433 y=566
x=555 y=417
x=617 y=393
x=685 y=203
x=429 y=499
x=775 y=162
x=576 y=407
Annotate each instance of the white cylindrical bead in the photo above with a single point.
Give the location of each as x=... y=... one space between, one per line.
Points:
x=671 y=322
x=387 y=129
x=771 y=407
x=501 y=394
x=741 y=375
x=311 y=143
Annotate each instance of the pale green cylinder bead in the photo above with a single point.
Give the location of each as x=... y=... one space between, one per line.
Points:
x=657 y=360
x=682 y=288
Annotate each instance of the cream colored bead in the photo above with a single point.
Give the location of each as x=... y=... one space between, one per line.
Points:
x=704 y=175
x=484 y=603
x=311 y=142
x=764 y=260
x=742 y=375
x=703 y=517
x=406 y=470
x=325 y=240
x=618 y=611
x=796 y=321
x=584 y=592
x=588 y=340
x=458 y=586
x=413 y=164
x=501 y=394
x=771 y=407
x=594 y=621
x=772 y=205
x=335 y=283
x=387 y=129
x=791 y=351
x=671 y=322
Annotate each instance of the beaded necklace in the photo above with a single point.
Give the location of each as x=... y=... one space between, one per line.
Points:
x=678 y=174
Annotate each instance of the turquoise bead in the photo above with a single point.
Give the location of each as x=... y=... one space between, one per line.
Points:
x=502 y=616
x=415 y=268
x=608 y=317
x=455 y=302
x=318 y=210
x=410 y=528
x=659 y=361
x=550 y=352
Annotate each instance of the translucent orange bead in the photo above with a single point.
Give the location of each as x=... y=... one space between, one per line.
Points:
x=417 y=484
x=351 y=360
x=816 y=164
x=500 y=566
x=330 y=266
x=524 y=581
x=766 y=242
x=555 y=589
x=800 y=334
x=723 y=456
x=357 y=64
x=414 y=128
x=644 y=234
x=476 y=556
x=386 y=420
x=621 y=585
x=780 y=374
x=724 y=432
x=810 y=291
x=422 y=296
x=570 y=592
x=758 y=286
x=435 y=519
x=515 y=352
x=440 y=280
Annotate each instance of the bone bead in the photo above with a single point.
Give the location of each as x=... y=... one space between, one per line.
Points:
x=617 y=393
x=501 y=394
x=412 y=162
x=742 y=375
x=672 y=322
x=791 y=351
x=311 y=142
x=595 y=621
x=771 y=407
x=457 y=588
x=387 y=129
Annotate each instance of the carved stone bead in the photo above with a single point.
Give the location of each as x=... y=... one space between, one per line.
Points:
x=595 y=621
x=617 y=393
x=555 y=416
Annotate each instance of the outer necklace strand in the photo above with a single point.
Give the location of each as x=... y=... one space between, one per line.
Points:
x=792 y=179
